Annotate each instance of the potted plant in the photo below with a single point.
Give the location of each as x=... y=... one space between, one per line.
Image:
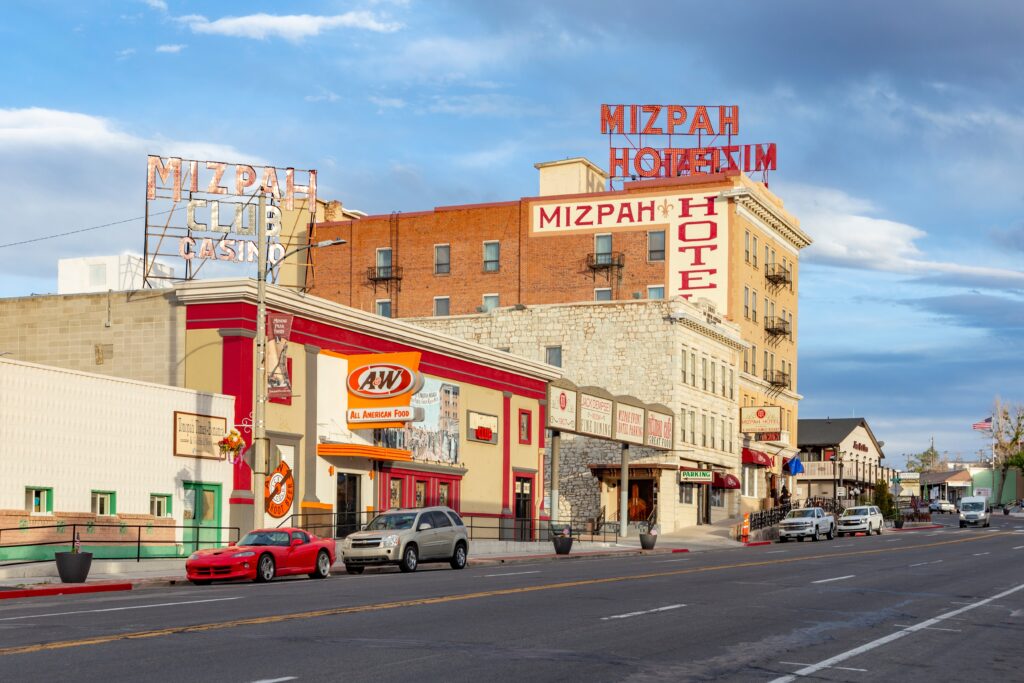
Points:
x=73 y=566
x=562 y=540
x=897 y=519
x=648 y=539
x=231 y=445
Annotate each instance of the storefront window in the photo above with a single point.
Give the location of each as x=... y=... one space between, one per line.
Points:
x=750 y=476
x=442 y=493
x=686 y=494
x=421 y=494
x=524 y=426
x=718 y=498
x=396 y=493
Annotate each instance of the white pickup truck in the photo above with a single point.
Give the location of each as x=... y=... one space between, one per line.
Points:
x=807 y=523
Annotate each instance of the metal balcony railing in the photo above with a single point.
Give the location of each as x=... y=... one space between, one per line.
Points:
x=776 y=326
x=383 y=273
x=605 y=259
x=777 y=378
x=777 y=274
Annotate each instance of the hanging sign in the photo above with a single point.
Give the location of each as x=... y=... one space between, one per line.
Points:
x=279 y=491
x=279 y=381
x=380 y=387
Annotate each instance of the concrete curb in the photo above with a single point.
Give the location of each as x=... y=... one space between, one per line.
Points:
x=918 y=528
x=64 y=589
x=756 y=543
x=551 y=557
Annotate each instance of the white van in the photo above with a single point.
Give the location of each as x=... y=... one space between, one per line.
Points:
x=974 y=510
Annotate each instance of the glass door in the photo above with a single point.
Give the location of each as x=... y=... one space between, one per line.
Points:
x=201 y=512
x=347 y=507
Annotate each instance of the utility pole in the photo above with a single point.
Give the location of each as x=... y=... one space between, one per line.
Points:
x=259 y=393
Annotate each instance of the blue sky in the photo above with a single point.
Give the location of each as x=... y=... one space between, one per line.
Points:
x=899 y=126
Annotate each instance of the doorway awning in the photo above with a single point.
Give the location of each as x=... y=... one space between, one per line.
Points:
x=759 y=458
x=721 y=480
x=353 y=450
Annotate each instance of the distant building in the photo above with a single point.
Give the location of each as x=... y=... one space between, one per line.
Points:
x=123 y=272
x=839 y=453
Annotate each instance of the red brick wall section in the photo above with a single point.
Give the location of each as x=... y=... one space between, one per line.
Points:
x=20 y=528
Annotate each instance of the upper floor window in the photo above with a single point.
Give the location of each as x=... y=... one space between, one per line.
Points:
x=442 y=259
x=746 y=246
x=746 y=302
x=656 y=291
x=602 y=294
x=384 y=262
x=490 y=302
x=384 y=308
x=553 y=356
x=39 y=501
x=656 y=245
x=442 y=306
x=602 y=249
x=492 y=257
x=104 y=503
x=753 y=252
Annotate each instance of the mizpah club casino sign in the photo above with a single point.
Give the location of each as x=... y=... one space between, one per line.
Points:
x=206 y=211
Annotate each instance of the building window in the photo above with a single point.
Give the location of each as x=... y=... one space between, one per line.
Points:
x=732 y=384
x=492 y=257
x=442 y=259
x=704 y=373
x=602 y=294
x=753 y=306
x=767 y=309
x=765 y=367
x=553 y=356
x=104 y=503
x=749 y=477
x=714 y=374
x=717 y=498
x=160 y=504
x=442 y=306
x=686 y=494
x=602 y=249
x=39 y=500
x=693 y=427
x=703 y=429
x=754 y=252
x=490 y=302
x=746 y=360
x=746 y=302
x=712 y=439
x=693 y=368
x=384 y=308
x=396 y=493
x=746 y=246
x=766 y=251
x=721 y=434
x=753 y=359
x=384 y=262
x=525 y=427
x=656 y=291
x=730 y=433
x=656 y=245
x=684 y=365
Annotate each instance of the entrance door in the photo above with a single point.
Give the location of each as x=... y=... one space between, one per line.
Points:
x=347 y=505
x=524 y=509
x=201 y=516
x=704 y=504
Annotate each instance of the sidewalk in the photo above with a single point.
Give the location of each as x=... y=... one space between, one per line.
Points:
x=42 y=578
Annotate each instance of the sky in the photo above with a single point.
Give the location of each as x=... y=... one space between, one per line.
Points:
x=899 y=128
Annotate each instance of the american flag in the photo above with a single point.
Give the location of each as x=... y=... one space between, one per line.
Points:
x=983 y=426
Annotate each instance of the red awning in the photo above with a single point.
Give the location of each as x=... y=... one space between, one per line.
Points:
x=720 y=480
x=752 y=457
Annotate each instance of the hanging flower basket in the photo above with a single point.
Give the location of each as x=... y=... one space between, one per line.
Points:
x=231 y=445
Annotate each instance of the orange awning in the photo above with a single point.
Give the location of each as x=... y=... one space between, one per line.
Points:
x=352 y=450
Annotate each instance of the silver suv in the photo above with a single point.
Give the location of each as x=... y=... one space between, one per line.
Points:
x=407 y=537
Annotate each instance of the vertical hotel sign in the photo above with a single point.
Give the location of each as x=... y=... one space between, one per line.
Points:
x=380 y=387
x=696 y=227
x=279 y=380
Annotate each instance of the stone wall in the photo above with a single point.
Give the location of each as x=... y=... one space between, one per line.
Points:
x=135 y=335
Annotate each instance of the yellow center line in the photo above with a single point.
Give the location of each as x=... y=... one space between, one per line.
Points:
x=377 y=607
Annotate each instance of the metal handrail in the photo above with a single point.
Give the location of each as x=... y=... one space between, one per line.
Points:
x=137 y=540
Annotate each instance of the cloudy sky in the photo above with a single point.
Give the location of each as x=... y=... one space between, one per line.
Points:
x=898 y=126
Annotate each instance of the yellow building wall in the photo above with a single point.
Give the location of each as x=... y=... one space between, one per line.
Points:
x=204 y=360
x=526 y=456
x=481 y=485
x=291 y=418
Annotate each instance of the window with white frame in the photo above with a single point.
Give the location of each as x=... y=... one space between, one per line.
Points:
x=753 y=306
x=442 y=259
x=656 y=245
x=717 y=498
x=442 y=306
x=384 y=308
x=686 y=493
x=746 y=246
x=160 y=504
x=384 y=262
x=704 y=429
x=693 y=368
x=749 y=479
x=746 y=302
x=490 y=302
x=553 y=355
x=492 y=257
x=602 y=294
x=656 y=291
x=712 y=431
x=704 y=372
x=754 y=252
x=104 y=503
x=602 y=249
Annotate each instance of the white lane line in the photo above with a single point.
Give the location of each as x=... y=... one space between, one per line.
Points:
x=885 y=640
x=680 y=559
x=921 y=564
x=1018 y=547
x=115 y=609
x=636 y=614
x=537 y=571
x=835 y=578
x=843 y=668
x=980 y=554
x=772 y=552
x=277 y=680
x=891 y=540
x=931 y=628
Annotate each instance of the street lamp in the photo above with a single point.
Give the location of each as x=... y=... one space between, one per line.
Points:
x=259 y=394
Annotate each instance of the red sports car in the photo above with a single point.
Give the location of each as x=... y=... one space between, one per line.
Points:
x=261 y=555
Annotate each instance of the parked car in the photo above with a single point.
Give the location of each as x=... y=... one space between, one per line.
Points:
x=974 y=510
x=807 y=523
x=408 y=537
x=866 y=518
x=261 y=555
x=941 y=505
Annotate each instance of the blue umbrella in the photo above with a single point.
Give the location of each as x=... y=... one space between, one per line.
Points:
x=795 y=466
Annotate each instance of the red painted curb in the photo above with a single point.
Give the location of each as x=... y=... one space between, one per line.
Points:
x=65 y=590
x=680 y=550
x=919 y=528
x=757 y=543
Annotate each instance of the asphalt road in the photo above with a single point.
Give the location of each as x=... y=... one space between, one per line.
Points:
x=914 y=606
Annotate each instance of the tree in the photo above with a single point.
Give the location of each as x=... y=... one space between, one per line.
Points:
x=924 y=461
x=1007 y=434
x=883 y=499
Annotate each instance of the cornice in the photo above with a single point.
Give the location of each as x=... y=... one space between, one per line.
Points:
x=769 y=215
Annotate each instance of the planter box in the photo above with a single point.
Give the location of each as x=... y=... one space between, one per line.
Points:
x=647 y=541
x=73 y=567
x=562 y=544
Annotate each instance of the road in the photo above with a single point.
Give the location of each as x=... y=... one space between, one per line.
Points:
x=912 y=606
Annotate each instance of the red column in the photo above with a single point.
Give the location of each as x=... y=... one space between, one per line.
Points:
x=236 y=380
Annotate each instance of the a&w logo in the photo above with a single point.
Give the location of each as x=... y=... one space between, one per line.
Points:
x=383 y=380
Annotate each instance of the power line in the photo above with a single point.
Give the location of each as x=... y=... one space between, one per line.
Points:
x=75 y=232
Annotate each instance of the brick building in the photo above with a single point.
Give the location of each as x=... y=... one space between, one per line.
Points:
x=721 y=237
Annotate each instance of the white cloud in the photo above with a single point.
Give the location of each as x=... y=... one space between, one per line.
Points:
x=295 y=27
x=171 y=49
x=387 y=102
x=845 y=234
x=157 y=4
x=486 y=104
x=324 y=96
x=126 y=53
x=72 y=170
